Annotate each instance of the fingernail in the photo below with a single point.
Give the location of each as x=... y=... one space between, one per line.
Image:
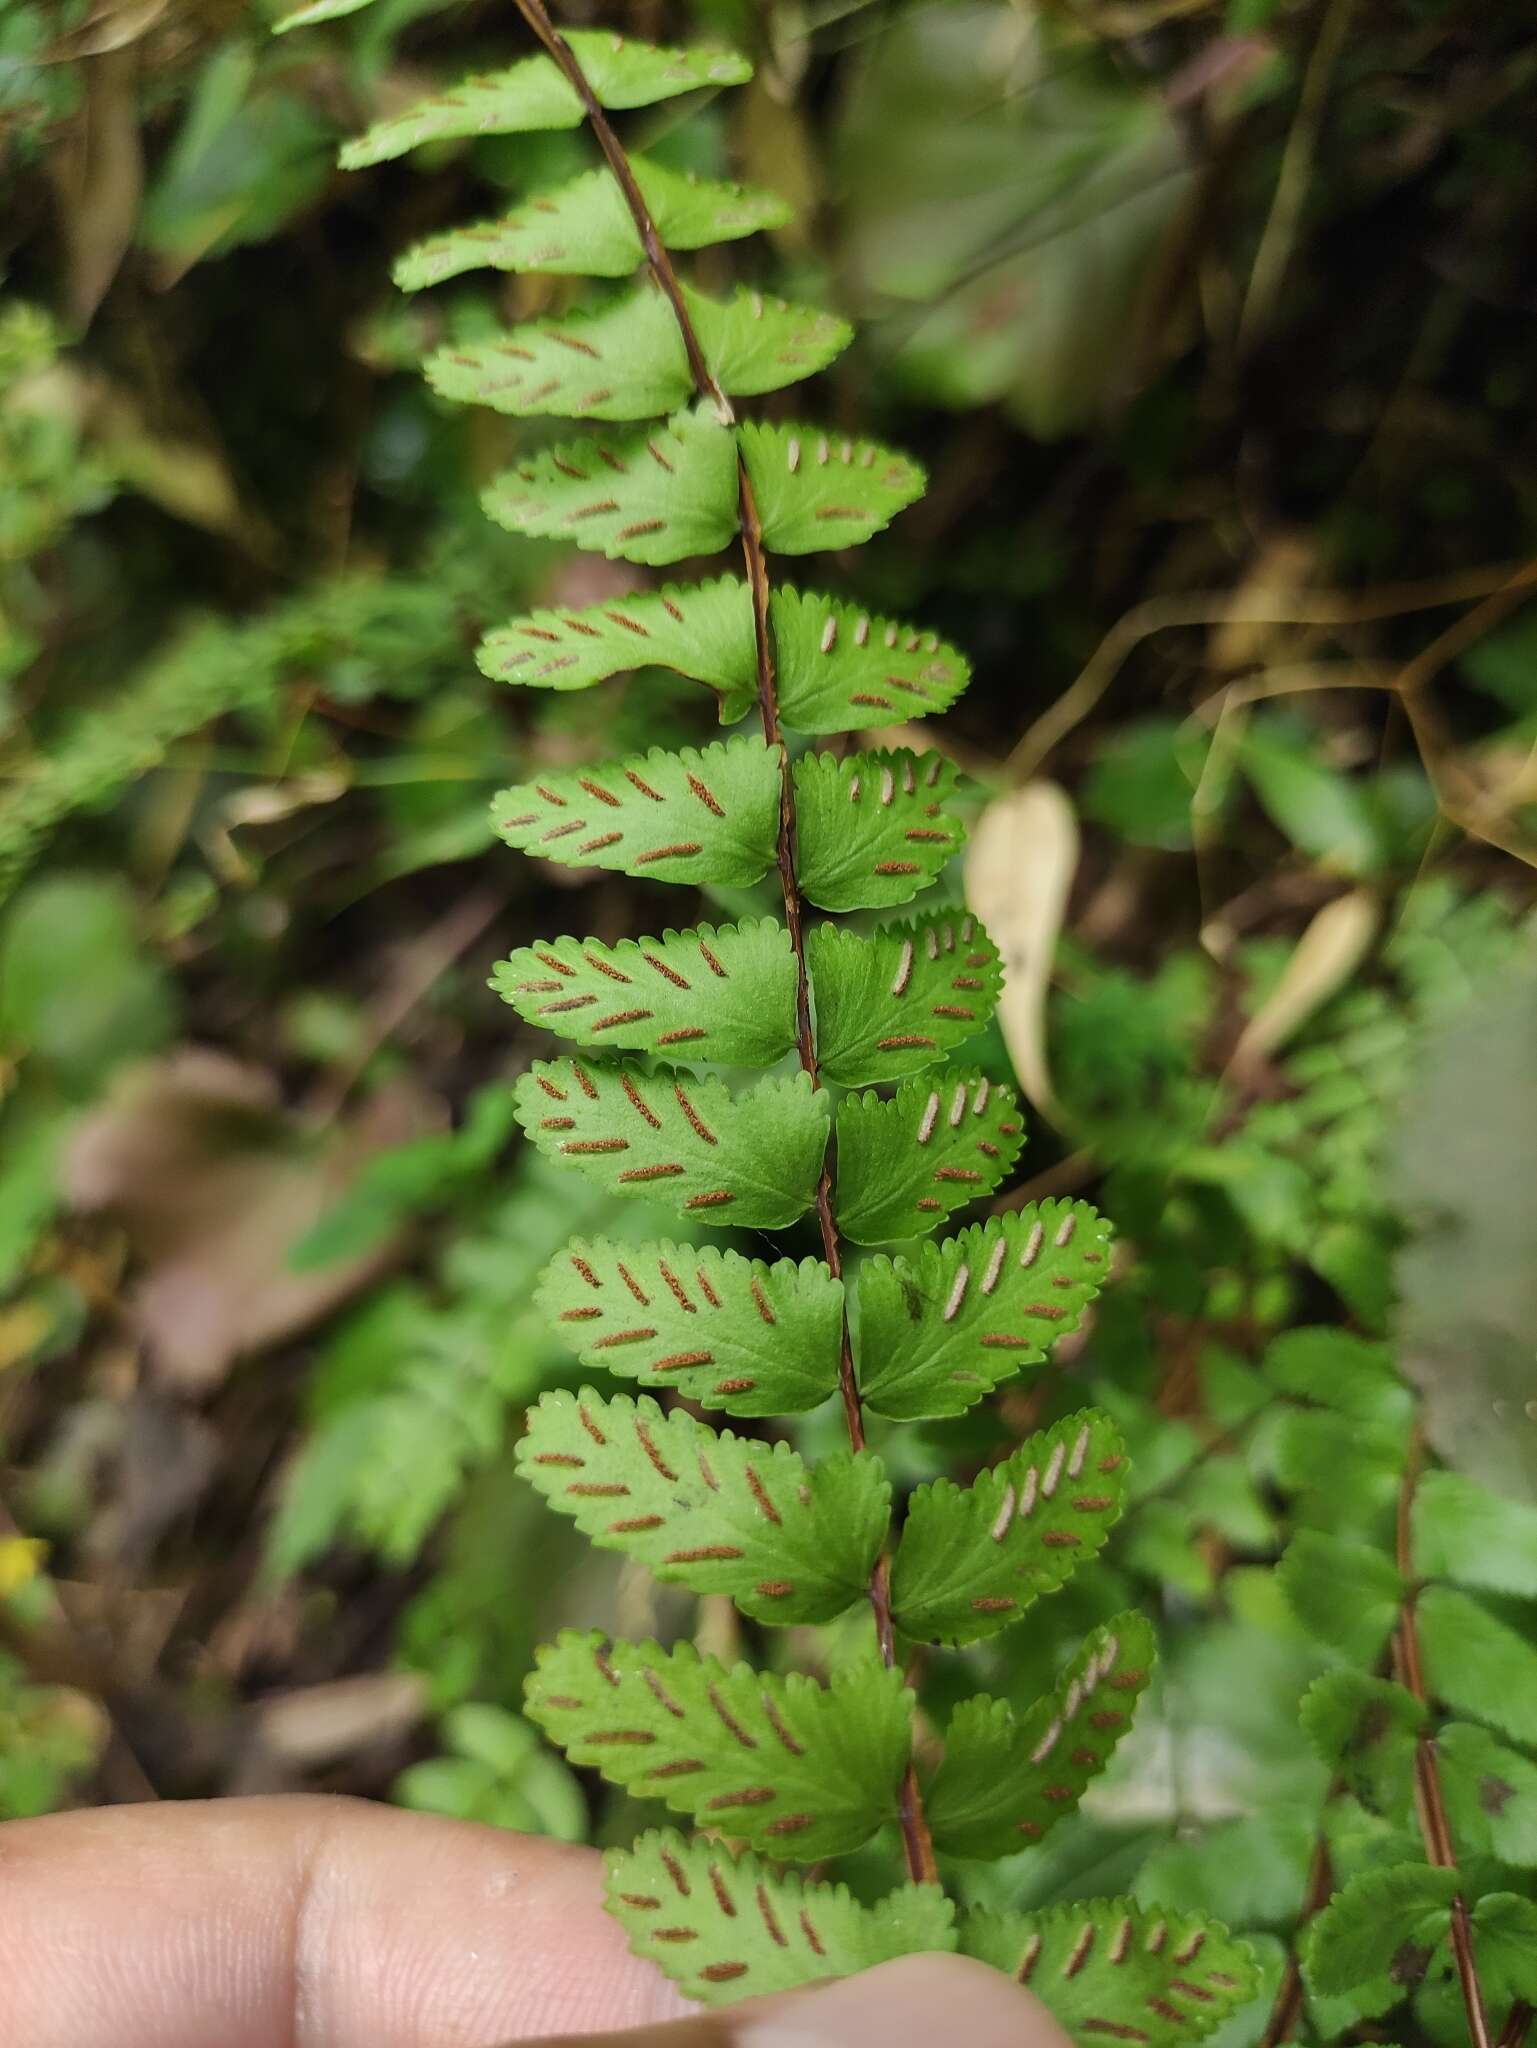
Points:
x=916 y=2002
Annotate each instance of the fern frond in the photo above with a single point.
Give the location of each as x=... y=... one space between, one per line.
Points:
x=585 y=229
x=873 y=828
x=748 y=1161
x=628 y=361
x=534 y=94
x=909 y=1160
x=725 y=1927
x=1113 y=1970
x=652 y=496
x=1005 y=1780
x=721 y=1329
x=972 y=1559
x=896 y=1002
x=815 y=490
x=939 y=1331
x=703 y=630
x=787 y=1541
x=698 y=815
x=792 y=1768
x=725 y=995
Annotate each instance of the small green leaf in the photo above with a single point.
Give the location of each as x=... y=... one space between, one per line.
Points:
x=815 y=490
x=534 y=95
x=1366 y=1729
x=651 y=494
x=787 y=1541
x=726 y=995
x=721 y=1329
x=585 y=228
x=1505 y=1942
x=1339 y=1370
x=902 y=998
x=871 y=829
x=972 y=1559
x=793 y=1768
x=908 y=1161
x=938 y=1331
x=628 y=360
x=1348 y=1594
x=703 y=630
x=1006 y=1779
x=1491 y=1795
x=1322 y=812
x=840 y=668
x=1467 y=1534
x=1109 y=1969
x=725 y=1927
x=1478 y=1664
x=706 y=814
x=1374 y=1941
x=748 y=1161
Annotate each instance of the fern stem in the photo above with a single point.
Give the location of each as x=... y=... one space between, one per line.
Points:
x=1430 y=1805
x=915 y=1833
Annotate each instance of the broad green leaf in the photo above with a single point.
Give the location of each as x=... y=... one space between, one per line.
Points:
x=316 y=12
x=725 y=1927
x=707 y=814
x=703 y=630
x=586 y=229
x=1366 y=1730
x=721 y=1329
x=815 y=490
x=907 y=1161
x=1465 y=1533
x=1349 y=1374
x=1322 y=812
x=1111 y=1970
x=902 y=998
x=628 y=360
x=1478 y=1664
x=787 y=1541
x=1491 y=1795
x=972 y=1558
x=651 y=494
x=745 y=1161
x=1375 y=1939
x=1347 y=1593
x=1006 y=1779
x=789 y=1766
x=725 y=995
x=840 y=668
x=871 y=829
x=938 y=1331
x=1505 y=1943
x=533 y=94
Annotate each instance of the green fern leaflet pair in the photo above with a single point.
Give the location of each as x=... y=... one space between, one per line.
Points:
x=856 y=1118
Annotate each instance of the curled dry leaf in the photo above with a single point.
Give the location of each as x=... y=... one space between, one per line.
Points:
x=214 y=1182
x=1333 y=946
x=1019 y=872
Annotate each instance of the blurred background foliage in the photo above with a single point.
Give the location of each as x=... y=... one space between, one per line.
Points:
x=1213 y=321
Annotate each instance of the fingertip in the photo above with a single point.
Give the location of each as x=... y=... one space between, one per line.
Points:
x=920 y=1999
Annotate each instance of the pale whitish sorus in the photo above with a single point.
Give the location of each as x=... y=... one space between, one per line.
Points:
x=779 y=1769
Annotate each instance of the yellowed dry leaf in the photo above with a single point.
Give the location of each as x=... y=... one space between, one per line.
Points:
x=1335 y=943
x=1019 y=872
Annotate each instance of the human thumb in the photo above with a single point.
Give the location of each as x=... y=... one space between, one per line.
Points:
x=922 y=2001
